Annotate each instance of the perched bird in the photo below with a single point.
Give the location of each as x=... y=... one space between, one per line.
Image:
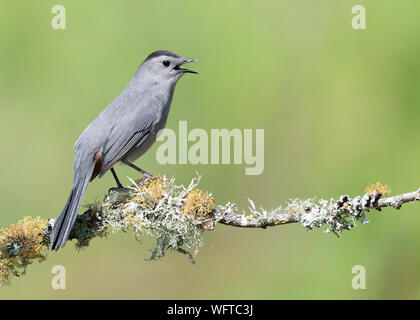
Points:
x=124 y=131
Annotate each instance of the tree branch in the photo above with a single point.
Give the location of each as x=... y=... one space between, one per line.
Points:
x=177 y=216
x=344 y=206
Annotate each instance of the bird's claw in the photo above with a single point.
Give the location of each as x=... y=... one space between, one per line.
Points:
x=117 y=189
x=142 y=181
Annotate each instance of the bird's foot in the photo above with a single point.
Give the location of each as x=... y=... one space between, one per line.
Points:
x=142 y=181
x=117 y=189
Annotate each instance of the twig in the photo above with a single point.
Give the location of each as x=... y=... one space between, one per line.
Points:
x=344 y=206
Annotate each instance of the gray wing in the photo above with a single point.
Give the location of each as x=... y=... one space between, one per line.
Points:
x=124 y=136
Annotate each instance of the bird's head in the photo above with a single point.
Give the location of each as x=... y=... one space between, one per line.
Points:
x=165 y=66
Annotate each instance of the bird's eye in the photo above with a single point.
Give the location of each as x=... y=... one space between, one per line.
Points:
x=166 y=63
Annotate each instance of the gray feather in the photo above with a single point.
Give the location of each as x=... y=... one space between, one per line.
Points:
x=64 y=224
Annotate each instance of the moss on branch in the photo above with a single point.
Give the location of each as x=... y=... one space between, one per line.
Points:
x=177 y=217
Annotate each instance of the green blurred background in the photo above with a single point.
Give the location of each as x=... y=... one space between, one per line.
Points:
x=340 y=109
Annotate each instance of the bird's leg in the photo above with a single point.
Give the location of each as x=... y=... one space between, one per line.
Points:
x=119 y=185
x=147 y=175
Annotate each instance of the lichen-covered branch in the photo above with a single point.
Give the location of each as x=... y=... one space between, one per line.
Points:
x=338 y=214
x=177 y=217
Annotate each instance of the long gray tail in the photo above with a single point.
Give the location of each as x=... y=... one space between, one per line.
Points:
x=65 y=222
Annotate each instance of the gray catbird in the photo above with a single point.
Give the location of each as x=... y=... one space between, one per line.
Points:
x=124 y=131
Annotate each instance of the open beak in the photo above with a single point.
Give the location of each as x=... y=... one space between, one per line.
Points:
x=178 y=67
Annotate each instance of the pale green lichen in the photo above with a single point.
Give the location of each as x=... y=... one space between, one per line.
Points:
x=336 y=215
x=176 y=217
x=158 y=208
